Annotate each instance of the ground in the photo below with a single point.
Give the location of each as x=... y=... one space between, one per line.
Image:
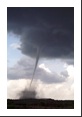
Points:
x=40 y=104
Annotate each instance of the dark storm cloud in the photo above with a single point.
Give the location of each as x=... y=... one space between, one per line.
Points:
x=50 y=29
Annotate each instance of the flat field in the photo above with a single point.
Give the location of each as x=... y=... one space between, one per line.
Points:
x=40 y=104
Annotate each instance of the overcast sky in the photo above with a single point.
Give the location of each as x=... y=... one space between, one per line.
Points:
x=51 y=31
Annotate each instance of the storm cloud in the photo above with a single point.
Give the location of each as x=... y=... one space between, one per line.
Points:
x=50 y=29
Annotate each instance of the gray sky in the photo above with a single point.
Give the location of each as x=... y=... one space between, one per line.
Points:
x=50 y=30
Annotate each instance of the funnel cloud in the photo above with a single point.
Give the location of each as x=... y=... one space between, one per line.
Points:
x=37 y=58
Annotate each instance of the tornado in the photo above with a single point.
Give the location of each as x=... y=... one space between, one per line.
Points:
x=36 y=63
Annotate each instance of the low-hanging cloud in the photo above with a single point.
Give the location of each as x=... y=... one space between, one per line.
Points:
x=50 y=29
x=59 y=91
x=24 y=69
